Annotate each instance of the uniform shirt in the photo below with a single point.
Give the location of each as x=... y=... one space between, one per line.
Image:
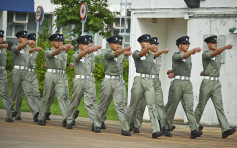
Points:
x=64 y=56
x=20 y=57
x=143 y=64
x=3 y=56
x=33 y=57
x=83 y=66
x=54 y=62
x=211 y=65
x=156 y=66
x=180 y=65
x=113 y=65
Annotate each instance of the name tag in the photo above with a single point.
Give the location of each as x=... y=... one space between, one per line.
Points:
x=22 y=52
x=213 y=59
x=184 y=60
x=143 y=58
x=154 y=61
x=82 y=60
x=116 y=59
x=31 y=54
x=55 y=56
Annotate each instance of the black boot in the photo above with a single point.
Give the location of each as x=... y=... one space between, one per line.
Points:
x=96 y=129
x=64 y=123
x=228 y=133
x=18 y=117
x=132 y=126
x=35 y=118
x=167 y=133
x=157 y=134
x=40 y=122
x=102 y=126
x=125 y=133
x=9 y=120
x=73 y=122
x=69 y=126
x=200 y=127
x=173 y=127
x=136 y=130
x=47 y=114
x=14 y=114
x=195 y=134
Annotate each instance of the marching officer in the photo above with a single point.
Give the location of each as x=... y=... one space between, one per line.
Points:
x=211 y=86
x=158 y=90
x=143 y=86
x=181 y=87
x=3 y=71
x=31 y=77
x=54 y=82
x=84 y=83
x=21 y=57
x=113 y=85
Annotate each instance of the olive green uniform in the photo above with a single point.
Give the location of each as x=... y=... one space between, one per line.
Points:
x=143 y=87
x=180 y=90
x=158 y=95
x=51 y=98
x=3 y=77
x=54 y=83
x=32 y=78
x=19 y=80
x=211 y=88
x=84 y=85
x=113 y=86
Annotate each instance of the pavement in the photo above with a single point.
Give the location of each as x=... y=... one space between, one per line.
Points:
x=28 y=134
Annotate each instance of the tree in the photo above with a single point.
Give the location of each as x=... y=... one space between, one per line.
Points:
x=98 y=16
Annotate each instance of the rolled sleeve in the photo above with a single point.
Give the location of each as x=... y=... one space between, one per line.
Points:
x=206 y=55
x=14 y=49
x=178 y=56
x=75 y=58
x=135 y=55
x=48 y=53
x=109 y=54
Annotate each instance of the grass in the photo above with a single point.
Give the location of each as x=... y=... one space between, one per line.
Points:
x=111 y=113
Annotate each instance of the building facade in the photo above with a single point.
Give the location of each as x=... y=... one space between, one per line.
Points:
x=169 y=20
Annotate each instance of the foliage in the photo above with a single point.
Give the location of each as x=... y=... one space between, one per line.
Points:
x=99 y=68
x=98 y=16
x=43 y=41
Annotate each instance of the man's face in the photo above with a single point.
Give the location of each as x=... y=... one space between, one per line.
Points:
x=60 y=43
x=21 y=39
x=32 y=44
x=55 y=44
x=145 y=44
x=184 y=47
x=115 y=46
x=156 y=48
x=1 y=39
x=212 y=46
x=83 y=46
x=90 y=44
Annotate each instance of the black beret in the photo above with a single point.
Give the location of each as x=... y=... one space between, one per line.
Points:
x=115 y=39
x=31 y=36
x=54 y=37
x=182 y=40
x=89 y=37
x=154 y=40
x=211 y=39
x=144 y=38
x=61 y=37
x=22 y=34
x=1 y=33
x=83 y=40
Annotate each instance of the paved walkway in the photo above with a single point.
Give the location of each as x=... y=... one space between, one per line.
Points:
x=27 y=134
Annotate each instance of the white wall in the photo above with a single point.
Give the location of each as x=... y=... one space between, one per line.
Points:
x=47 y=5
x=181 y=4
x=197 y=23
